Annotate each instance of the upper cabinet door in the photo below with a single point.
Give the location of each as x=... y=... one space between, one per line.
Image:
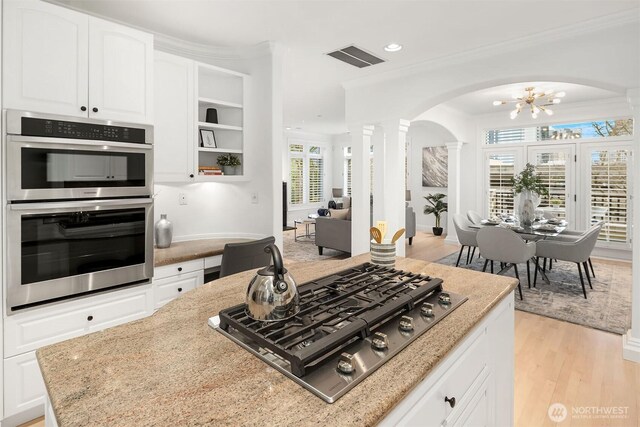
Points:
x=45 y=58
x=174 y=127
x=120 y=72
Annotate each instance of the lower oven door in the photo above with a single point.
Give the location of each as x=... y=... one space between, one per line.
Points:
x=63 y=249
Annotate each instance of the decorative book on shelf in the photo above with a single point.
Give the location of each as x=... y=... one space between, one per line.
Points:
x=209 y=170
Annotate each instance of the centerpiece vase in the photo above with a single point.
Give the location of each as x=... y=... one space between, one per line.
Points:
x=229 y=170
x=528 y=201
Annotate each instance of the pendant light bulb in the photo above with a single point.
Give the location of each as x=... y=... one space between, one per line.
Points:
x=514 y=114
x=548 y=111
x=498 y=102
x=534 y=115
x=560 y=94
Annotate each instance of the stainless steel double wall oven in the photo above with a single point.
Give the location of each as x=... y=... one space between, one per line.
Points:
x=79 y=206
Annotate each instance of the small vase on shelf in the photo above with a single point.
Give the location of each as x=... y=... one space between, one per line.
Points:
x=164 y=232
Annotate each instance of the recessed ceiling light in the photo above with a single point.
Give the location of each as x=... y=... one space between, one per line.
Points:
x=393 y=47
x=287 y=128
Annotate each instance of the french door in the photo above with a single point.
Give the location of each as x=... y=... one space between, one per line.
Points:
x=555 y=165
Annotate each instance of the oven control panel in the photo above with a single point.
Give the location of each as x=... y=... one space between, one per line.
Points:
x=32 y=126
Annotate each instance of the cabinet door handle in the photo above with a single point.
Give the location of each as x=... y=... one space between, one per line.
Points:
x=179 y=289
x=83 y=108
x=95 y=109
x=90 y=318
x=450 y=401
x=190 y=175
x=179 y=268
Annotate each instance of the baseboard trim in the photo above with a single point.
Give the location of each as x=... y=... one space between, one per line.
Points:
x=453 y=240
x=630 y=347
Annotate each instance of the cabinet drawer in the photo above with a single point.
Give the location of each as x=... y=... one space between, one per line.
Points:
x=23 y=384
x=213 y=261
x=168 y=289
x=47 y=325
x=179 y=268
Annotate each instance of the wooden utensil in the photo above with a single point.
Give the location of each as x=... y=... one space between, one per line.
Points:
x=382 y=226
x=398 y=234
x=376 y=234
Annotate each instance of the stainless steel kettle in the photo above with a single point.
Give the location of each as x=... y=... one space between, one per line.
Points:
x=272 y=294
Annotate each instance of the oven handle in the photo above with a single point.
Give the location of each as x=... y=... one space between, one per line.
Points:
x=38 y=141
x=96 y=204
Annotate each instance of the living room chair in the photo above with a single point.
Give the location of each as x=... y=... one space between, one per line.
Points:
x=505 y=246
x=237 y=257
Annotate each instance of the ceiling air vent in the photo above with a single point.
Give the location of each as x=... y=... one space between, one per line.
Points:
x=355 y=56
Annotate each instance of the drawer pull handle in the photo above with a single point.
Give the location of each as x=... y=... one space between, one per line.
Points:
x=90 y=318
x=95 y=109
x=451 y=402
x=83 y=108
x=179 y=289
x=179 y=268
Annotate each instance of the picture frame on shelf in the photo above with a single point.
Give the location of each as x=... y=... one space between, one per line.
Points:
x=208 y=138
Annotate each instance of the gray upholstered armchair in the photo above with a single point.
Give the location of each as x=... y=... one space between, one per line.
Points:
x=410 y=223
x=333 y=233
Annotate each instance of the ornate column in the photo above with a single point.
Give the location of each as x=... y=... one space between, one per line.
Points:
x=454 y=151
x=631 y=341
x=360 y=202
x=394 y=180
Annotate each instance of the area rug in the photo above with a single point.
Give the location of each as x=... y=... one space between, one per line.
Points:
x=608 y=304
x=305 y=248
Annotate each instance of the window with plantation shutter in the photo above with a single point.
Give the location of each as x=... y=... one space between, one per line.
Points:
x=347 y=170
x=347 y=175
x=316 y=177
x=501 y=170
x=306 y=173
x=551 y=168
x=610 y=193
x=296 y=180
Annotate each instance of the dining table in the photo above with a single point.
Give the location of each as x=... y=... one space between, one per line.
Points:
x=537 y=231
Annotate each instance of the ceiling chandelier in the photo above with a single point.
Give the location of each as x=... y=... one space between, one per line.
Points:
x=533 y=101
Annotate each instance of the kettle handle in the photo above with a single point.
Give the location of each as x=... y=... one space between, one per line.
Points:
x=278 y=266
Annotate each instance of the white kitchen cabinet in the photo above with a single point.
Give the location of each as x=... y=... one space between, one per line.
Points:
x=60 y=61
x=120 y=72
x=33 y=329
x=23 y=384
x=166 y=290
x=25 y=332
x=478 y=374
x=174 y=119
x=45 y=58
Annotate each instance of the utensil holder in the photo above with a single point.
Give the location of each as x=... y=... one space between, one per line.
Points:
x=383 y=254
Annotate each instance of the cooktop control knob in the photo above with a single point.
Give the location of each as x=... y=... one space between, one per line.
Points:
x=444 y=298
x=379 y=341
x=346 y=363
x=427 y=309
x=406 y=324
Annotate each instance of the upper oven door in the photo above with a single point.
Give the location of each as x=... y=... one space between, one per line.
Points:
x=50 y=168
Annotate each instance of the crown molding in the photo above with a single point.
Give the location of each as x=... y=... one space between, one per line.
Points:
x=577 y=29
x=176 y=46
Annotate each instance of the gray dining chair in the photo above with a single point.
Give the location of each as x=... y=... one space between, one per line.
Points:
x=466 y=236
x=573 y=235
x=237 y=257
x=474 y=217
x=505 y=246
x=578 y=251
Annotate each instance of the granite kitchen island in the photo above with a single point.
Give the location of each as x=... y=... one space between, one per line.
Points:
x=172 y=369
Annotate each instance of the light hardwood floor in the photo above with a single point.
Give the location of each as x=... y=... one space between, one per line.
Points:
x=556 y=362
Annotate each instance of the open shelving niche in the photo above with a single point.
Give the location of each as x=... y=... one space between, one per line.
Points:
x=225 y=91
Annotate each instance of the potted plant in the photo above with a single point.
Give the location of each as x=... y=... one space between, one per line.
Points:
x=229 y=162
x=528 y=187
x=436 y=207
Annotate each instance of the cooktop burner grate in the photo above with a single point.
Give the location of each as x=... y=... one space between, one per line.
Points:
x=335 y=311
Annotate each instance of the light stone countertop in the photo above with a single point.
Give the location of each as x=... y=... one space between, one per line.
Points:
x=172 y=369
x=191 y=249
